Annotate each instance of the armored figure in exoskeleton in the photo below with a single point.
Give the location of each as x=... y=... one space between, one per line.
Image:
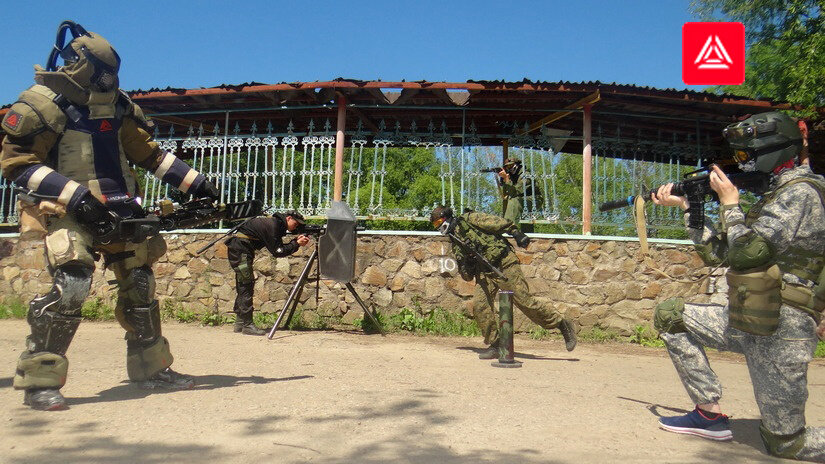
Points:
x=775 y=255
x=70 y=138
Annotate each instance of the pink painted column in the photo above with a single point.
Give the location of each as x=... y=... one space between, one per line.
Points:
x=339 y=147
x=586 y=170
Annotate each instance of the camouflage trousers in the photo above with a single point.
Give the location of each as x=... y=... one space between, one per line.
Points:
x=778 y=367
x=485 y=296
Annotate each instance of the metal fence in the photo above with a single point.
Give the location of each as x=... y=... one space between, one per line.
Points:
x=294 y=170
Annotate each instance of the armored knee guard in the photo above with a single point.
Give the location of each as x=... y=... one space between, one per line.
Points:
x=138 y=287
x=667 y=317
x=144 y=322
x=54 y=318
x=783 y=446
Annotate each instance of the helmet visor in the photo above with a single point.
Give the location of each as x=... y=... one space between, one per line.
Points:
x=742 y=134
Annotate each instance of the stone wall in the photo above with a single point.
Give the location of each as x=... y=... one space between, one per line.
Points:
x=602 y=283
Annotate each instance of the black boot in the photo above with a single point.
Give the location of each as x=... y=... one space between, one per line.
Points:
x=569 y=334
x=246 y=326
x=44 y=399
x=167 y=379
x=490 y=353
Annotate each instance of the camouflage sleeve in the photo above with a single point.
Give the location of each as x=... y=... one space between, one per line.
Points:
x=142 y=150
x=791 y=213
x=709 y=245
x=490 y=224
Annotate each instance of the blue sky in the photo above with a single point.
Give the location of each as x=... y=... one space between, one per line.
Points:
x=202 y=44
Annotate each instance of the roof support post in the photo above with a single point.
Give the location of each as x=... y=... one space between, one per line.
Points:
x=339 y=147
x=586 y=168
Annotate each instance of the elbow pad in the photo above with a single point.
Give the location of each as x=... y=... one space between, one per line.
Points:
x=749 y=251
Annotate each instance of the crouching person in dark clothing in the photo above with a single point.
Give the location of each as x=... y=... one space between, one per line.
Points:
x=252 y=236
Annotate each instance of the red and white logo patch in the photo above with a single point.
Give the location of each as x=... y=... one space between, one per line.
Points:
x=713 y=53
x=105 y=126
x=12 y=120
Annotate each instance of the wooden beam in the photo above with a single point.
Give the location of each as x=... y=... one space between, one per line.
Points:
x=588 y=100
x=587 y=177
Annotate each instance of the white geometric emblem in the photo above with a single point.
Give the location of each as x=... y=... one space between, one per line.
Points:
x=720 y=60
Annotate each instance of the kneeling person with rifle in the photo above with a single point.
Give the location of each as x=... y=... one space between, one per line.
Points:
x=485 y=255
x=253 y=235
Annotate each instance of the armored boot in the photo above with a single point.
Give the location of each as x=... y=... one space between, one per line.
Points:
x=246 y=326
x=569 y=334
x=490 y=353
x=167 y=379
x=44 y=399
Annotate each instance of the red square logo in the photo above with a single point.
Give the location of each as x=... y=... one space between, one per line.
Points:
x=713 y=53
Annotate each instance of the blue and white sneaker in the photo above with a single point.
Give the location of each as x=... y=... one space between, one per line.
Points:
x=700 y=423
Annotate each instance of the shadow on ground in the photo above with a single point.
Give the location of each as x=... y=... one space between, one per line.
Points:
x=418 y=441
x=745 y=432
x=6 y=382
x=519 y=355
x=128 y=391
x=113 y=450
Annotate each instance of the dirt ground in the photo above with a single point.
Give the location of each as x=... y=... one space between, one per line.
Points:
x=333 y=397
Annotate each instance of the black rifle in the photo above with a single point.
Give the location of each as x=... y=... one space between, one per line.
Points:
x=472 y=251
x=167 y=216
x=696 y=187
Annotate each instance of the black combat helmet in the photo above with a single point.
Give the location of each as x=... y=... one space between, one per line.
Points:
x=764 y=141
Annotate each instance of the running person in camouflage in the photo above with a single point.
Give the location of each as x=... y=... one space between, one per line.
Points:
x=70 y=138
x=484 y=232
x=775 y=253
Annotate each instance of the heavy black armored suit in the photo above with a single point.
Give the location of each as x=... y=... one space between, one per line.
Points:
x=71 y=138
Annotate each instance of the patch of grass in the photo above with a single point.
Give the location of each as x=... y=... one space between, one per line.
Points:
x=96 y=309
x=368 y=326
x=439 y=321
x=646 y=337
x=13 y=308
x=820 y=350
x=539 y=333
x=174 y=309
x=597 y=335
x=215 y=318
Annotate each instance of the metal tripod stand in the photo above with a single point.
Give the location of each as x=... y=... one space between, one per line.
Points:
x=295 y=294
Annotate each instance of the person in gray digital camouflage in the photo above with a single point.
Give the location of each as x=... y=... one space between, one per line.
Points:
x=776 y=294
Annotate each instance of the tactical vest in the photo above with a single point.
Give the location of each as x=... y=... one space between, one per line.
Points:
x=756 y=296
x=88 y=149
x=492 y=247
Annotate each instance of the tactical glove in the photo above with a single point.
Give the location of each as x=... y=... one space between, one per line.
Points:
x=95 y=217
x=207 y=189
x=522 y=239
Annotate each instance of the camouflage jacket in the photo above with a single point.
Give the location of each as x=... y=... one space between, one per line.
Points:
x=792 y=223
x=483 y=232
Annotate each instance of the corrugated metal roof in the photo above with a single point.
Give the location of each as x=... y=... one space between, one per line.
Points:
x=495 y=108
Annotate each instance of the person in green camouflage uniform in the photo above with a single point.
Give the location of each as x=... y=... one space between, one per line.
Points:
x=484 y=232
x=784 y=233
x=512 y=190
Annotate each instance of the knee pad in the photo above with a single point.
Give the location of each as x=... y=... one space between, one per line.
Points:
x=138 y=287
x=41 y=370
x=243 y=273
x=55 y=316
x=784 y=446
x=667 y=317
x=142 y=362
x=70 y=287
x=144 y=322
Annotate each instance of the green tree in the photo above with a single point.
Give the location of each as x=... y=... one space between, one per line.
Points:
x=786 y=48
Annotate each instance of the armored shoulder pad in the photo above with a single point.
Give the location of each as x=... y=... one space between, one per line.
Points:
x=33 y=112
x=134 y=111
